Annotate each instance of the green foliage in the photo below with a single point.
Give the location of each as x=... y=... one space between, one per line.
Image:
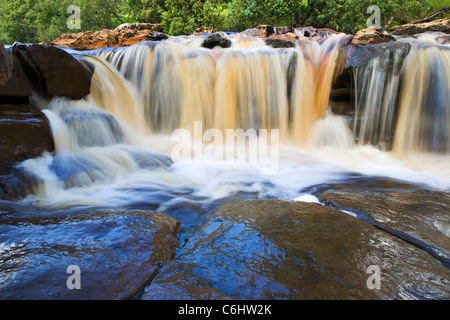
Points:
x=44 y=20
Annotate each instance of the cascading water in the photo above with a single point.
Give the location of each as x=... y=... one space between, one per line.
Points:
x=114 y=147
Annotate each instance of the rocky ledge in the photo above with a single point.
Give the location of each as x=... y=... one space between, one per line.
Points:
x=128 y=34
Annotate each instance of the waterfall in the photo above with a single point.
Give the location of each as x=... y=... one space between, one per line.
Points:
x=115 y=147
x=246 y=86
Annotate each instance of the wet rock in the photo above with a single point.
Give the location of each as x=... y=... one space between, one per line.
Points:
x=54 y=72
x=13 y=85
x=272 y=249
x=280 y=43
x=356 y=55
x=216 y=39
x=410 y=215
x=441 y=25
x=372 y=35
x=92 y=127
x=24 y=133
x=117 y=252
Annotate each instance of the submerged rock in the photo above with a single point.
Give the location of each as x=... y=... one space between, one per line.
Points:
x=117 y=252
x=24 y=133
x=272 y=249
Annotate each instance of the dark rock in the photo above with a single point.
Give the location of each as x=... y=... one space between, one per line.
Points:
x=356 y=55
x=13 y=85
x=6 y=65
x=54 y=72
x=24 y=133
x=272 y=249
x=157 y=36
x=216 y=39
x=117 y=252
x=280 y=43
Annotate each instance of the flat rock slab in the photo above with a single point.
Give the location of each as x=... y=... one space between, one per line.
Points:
x=116 y=251
x=420 y=217
x=272 y=249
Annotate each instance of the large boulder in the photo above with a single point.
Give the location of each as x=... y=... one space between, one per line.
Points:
x=24 y=133
x=13 y=84
x=116 y=250
x=217 y=39
x=54 y=72
x=272 y=249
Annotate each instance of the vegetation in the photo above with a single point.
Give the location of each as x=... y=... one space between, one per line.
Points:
x=44 y=20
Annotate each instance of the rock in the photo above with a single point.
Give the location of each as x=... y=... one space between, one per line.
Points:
x=140 y=26
x=122 y=37
x=272 y=249
x=24 y=133
x=357 y=55
x=314 y=33
x=54 y=72
x=13 y=85
x=204 y=30
x=6 y=65
x=372 y=35
x=407 y=214
x=266 y=30
x=117 y=252
x=157 y=36
x=279 y=43
x=441 y=25
x=216 y=39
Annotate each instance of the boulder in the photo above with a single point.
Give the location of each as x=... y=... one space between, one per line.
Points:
x=216 y=39
x=441 y=25
x=273 y=249
x=54 y=72
x=13 y=84
x=116 y=250
x=24 y=133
